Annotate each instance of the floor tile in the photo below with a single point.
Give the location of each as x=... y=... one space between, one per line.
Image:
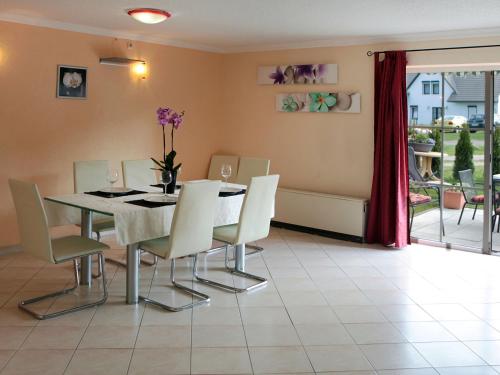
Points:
x=13 y=337
x=279 y=360
x=103 y=337
x=449 y=312
x=393 y=356
x=424 y=332
x=54 y=338
x=416 y=371
x=164 y=337
x=375 y=333
x=160 y=361
x=477 y=370
x=100 y=362
x=359 y=314
x=472 y=330
x=36 y=362
x=448 y=354
x=220 y=361
x=208 y=315
x=5 y=355
x=487 y=350
x=337 y=358
x=312 y=314
x=218 y=336
x=265 y=315
x=271 y=335
x=405 y=313
x=323 y=334
x=346 y=298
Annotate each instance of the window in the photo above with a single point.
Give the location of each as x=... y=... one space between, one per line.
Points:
x=436 y=113
x=435 y=87
x=414 y=112
x=471 y=110
x=426 y=87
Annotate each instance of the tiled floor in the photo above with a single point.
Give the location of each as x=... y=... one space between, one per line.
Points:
x=330 y=307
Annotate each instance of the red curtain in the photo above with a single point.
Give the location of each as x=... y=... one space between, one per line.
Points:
x=388 y=213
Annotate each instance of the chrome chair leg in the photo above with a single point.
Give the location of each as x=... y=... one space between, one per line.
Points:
x=23 y=304
x=143 y=261
x=261 y=281
x=203 y=298
x=257 y=249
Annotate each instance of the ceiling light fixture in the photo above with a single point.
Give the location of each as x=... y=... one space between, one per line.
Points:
x=149 y=15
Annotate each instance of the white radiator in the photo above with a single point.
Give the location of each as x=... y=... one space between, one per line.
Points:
x=326 y=212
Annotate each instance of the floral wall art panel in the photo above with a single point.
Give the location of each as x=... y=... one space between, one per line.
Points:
x=322 y=102
x=309 y=74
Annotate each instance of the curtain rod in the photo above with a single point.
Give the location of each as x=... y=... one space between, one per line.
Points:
x=371 y=53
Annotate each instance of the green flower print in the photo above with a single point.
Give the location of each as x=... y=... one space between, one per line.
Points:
x=290 y=105
x=322 y=101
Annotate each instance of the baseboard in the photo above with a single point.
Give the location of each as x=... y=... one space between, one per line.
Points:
x=5 y=250
x=319 y=232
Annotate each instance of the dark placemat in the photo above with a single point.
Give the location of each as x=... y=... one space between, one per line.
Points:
x=148 y=204
x=161 y=186
x=230 y=194
x=114 y=195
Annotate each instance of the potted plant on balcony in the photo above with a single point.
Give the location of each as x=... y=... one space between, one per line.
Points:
x=453 y=198
x=421 y=142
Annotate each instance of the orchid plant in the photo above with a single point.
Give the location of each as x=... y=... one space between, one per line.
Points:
x=167 y=116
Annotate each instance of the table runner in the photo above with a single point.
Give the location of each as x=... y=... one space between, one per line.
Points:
x=133 y=223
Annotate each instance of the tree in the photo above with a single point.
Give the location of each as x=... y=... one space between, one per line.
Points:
x=436 y=162
x=464 y=153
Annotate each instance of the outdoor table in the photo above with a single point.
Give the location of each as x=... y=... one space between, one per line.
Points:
x=133 y=224
x=426 y=163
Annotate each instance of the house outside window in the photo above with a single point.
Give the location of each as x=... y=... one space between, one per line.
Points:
x=435 y=87
x=426 y=87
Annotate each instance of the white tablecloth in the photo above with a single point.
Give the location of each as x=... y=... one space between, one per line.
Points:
x=133 y=223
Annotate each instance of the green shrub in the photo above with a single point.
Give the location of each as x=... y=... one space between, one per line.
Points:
x=464 y=153
x=495 y=162
x=436 y=162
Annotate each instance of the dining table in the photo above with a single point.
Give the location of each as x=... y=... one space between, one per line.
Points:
x=136 y=219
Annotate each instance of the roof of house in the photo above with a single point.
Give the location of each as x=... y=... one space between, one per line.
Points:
x=470 y=88
x=466 y=88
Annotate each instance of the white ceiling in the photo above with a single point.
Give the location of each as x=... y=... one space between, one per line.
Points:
x=245 y=25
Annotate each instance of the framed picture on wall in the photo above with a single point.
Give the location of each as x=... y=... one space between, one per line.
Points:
x=71 y=82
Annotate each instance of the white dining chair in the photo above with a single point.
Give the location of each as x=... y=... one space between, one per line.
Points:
x=138 y=173
x=216 y=163
x=252 y=167
x=253 y=225
x=190 y=234
x=35 y=240
x=91 y=175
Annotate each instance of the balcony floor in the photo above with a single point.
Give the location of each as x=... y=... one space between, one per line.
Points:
x=468 y=233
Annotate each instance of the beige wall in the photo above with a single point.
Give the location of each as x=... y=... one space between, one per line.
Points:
x=329 y=153
x=40 y=135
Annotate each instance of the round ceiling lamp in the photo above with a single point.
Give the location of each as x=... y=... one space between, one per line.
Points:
x=149 y=15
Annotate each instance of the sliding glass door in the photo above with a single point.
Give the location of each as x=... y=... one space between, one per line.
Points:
x=450 y=153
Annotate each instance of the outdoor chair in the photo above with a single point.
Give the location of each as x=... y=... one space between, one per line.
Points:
x=417 y=200
x=418 y=182
x=469 y=192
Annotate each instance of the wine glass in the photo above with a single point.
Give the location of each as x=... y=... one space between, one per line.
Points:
x=166 y=178
x=112 y=177
x=225 y=171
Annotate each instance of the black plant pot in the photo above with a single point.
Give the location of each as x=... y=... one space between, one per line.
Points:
x=171 y=186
